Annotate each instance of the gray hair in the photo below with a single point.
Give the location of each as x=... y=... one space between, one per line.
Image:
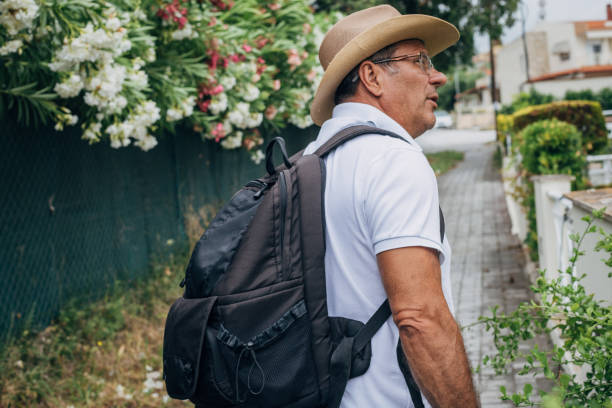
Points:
x=348 y=86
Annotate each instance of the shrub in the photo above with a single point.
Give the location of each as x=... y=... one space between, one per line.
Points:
x=125 y=71
x=552 y=147
x=525 y=99
x=605 y=98
x=549 y=147
x=581 y=321
x=504 y=126
x=585 y=115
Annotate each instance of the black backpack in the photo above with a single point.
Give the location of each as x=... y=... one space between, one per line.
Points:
x=252 y=329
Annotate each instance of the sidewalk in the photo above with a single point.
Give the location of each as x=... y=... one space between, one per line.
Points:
x=487 y=260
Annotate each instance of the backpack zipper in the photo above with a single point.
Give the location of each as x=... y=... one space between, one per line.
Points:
x=283 y=210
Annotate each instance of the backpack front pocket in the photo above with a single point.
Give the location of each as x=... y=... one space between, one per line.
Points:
x=274 y=368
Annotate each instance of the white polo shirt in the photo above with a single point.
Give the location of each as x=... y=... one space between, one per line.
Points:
x=380 y=194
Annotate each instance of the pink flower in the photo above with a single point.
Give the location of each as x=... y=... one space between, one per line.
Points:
x=311 y=75
x=261 y=42
x=255 y=78
x=274 y=6
x=306 y=28
x=203 y=105
x=246 y=47
x=270 y=112
x=214 y=58
x=277 y=84
x=293 y=59
x=218 y=132
x=216 y=90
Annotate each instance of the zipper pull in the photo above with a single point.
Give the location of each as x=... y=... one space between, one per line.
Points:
x=182 y=284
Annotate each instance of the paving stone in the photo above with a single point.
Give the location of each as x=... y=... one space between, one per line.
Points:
x=487 y=265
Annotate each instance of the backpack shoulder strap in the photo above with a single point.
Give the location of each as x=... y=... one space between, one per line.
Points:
x=351 y=133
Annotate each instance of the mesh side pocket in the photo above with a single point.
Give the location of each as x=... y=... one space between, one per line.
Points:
x=273 y=369
x=183 y=344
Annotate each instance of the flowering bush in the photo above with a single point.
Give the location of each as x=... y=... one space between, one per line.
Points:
x=127 y=70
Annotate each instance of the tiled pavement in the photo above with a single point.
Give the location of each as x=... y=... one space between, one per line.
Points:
x=487 y=260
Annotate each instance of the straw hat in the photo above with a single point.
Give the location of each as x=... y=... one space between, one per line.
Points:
x=361 y=34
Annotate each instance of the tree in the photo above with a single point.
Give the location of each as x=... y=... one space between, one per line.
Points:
x=490 y=17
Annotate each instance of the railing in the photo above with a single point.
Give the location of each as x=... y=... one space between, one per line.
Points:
x=600 y=174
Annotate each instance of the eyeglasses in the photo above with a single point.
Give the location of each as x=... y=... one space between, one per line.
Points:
x=422 y=59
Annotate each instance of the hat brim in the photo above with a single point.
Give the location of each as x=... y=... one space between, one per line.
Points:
x=436 y=34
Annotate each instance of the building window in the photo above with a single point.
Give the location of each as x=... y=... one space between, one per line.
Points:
x=564 y=56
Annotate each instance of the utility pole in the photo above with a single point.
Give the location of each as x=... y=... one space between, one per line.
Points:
x=524 y=36
x=493 y=84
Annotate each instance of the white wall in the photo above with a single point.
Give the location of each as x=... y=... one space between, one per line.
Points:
x=558 y=87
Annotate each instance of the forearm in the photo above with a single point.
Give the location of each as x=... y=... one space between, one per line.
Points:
x=438 y=362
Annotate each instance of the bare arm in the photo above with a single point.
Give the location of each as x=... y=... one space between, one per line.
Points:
x=429 y=334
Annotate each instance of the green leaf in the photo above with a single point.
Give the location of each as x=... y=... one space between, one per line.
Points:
x=564 y=380
x=527 y=389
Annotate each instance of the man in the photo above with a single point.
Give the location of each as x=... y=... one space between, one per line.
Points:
x=381 y=205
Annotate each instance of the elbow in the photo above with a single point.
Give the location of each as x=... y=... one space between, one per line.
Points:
x=423 y=320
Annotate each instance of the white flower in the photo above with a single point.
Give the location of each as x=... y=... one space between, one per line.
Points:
x=150 y=54
x=174 y=114
x=254 y=120
x=138 y=79
x=240 y=115
x=92 y=133
x=187 y=106
x=227 y=82
x=104 y=89
x=10 y=47
x=70 y=87
x=257 y=156
x=15 y=15
x=232 y=141
x=92 y=45
x=301 y=121
x=218 y=103
x=251 y=92
x=120 y=390
x=185 y=32
x=113 y=24
x=138 y=14
x=152 y=382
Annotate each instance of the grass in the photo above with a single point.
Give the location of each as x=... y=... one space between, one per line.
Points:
x=102 y=354
x=441 y=162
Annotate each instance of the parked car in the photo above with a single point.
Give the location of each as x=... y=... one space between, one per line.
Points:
x=443 y=119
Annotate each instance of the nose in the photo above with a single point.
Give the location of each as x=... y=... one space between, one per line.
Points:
x=436 y=78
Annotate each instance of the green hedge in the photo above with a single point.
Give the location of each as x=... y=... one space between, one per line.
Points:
x=586 y=116
x=549 y=147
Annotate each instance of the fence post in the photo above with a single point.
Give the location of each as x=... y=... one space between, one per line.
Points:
x=548 y=250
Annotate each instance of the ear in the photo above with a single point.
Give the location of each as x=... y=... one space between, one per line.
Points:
x=371 y=77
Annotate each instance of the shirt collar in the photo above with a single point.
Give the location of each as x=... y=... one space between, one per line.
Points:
x=354 y=113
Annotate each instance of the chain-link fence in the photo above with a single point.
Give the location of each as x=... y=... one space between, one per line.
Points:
x=75 y=218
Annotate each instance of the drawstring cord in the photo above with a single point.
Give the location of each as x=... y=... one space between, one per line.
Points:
x=255 y=363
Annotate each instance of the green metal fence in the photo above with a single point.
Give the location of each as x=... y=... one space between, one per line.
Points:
x=75 y=218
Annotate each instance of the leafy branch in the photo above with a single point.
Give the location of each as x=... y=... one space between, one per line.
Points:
x=33 y=106
x=583 y=324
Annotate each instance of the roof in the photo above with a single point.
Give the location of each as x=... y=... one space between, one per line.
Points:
x=588 y=71
x=470 y=91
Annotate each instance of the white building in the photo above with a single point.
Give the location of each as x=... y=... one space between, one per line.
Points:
x=562 y=56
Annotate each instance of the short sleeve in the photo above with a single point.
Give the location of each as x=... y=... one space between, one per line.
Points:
x=400 y=201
